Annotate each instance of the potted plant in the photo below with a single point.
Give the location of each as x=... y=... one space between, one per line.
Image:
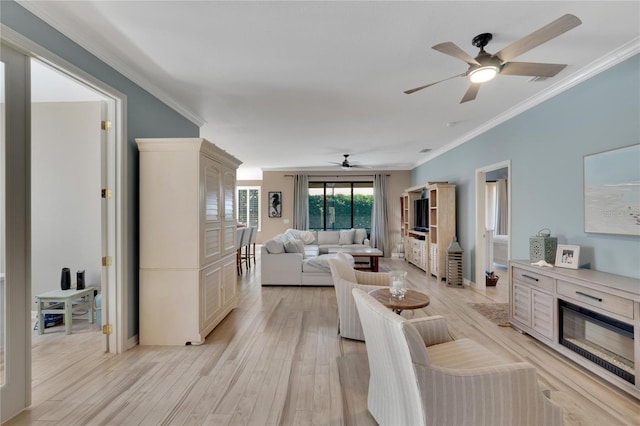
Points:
x=491 y=279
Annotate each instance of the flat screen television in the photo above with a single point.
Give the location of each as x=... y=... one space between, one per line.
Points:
x=421 y=215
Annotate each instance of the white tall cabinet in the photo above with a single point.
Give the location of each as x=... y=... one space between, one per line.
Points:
x=187 y=239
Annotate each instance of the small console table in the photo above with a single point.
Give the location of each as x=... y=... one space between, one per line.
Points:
x=61 y=301
x=591 y=317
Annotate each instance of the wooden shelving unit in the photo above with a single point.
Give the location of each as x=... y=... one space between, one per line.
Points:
x=442 y=226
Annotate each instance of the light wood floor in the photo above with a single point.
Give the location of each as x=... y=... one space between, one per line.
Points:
x=277 y=360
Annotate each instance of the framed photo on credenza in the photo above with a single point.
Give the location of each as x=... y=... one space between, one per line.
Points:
x=567 y=256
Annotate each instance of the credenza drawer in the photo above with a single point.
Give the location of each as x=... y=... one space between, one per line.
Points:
x=533 y=279
x=614 y=304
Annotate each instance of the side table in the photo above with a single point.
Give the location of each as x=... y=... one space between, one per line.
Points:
x=411 y=300
x=53 y=302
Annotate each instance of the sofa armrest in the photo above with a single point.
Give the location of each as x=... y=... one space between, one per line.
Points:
x=367 y=242
x=373 y=278
x=281 y=268
x=433 y=330
x=507 y=394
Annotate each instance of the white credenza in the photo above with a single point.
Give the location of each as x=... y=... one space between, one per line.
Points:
x=187 y=239
x=589 y=316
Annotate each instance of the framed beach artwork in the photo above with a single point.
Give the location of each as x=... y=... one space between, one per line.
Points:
x=612 y=191
x=275 y=204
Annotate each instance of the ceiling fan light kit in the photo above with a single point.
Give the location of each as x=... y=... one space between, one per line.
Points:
x=486 y=66
x=483 y=74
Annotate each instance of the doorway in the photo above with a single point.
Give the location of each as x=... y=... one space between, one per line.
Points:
x=15 y=232
x=66 y=216
x=493 y=222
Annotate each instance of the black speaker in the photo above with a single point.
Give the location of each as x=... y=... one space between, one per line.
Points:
x=65 y=279
x=80 y=280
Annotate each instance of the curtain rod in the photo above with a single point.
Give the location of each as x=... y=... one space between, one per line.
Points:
x=337 y=176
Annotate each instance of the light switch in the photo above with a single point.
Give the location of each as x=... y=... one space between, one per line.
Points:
x=286 y=221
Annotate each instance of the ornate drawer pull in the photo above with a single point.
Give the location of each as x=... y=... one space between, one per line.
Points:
x=579 y=293
x=530 y=277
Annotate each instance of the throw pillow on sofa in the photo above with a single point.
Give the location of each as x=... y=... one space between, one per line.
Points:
x=275 y=245
x=344 y=267
x=295 y=246
x=307 y=237
x=346 y=236
x=360 y=236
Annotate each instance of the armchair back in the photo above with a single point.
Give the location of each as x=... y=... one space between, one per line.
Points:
x=394 y=397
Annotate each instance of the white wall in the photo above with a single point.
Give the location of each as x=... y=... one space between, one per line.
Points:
x=65 y=193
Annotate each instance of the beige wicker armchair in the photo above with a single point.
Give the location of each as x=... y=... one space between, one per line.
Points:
x=420 y=376
x=345 y=278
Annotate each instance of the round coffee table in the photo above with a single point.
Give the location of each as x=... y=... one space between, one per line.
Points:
x=411 y=300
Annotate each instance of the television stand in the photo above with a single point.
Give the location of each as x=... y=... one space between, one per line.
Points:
x=416 y=251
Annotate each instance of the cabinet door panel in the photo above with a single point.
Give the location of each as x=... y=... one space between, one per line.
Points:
x=210 y=211
x=522 y=304
x=210 y=297
x=542 y=313
x=229 y=290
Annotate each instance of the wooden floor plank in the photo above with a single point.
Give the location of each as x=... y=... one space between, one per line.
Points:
x=277 y=359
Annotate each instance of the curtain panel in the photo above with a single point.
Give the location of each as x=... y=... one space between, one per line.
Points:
x=502 y=208
x=380 y=217
x=301 y=202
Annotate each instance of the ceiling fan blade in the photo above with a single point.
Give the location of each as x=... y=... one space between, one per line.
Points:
x=536 y=38
x=533 y=69
x=452 y=49
x=408 y=92
x=472 y=92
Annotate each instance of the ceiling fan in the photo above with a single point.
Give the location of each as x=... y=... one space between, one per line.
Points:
x=486 y=66
x=346 y=165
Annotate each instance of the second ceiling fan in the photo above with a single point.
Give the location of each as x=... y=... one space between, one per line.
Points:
x=485 y=66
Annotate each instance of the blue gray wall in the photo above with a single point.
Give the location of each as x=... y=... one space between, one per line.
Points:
x=546 y=145
x=146 y=117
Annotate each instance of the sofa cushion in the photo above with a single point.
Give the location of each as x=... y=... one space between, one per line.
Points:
x=328 y=237
x=307 y=237
x=295 y=246
x=346 y=236
x=360 y=236
x=321 y=263
x=311 y=250
x=344 y=267
x=275 y=246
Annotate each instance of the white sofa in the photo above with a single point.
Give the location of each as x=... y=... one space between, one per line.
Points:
x=301 y=257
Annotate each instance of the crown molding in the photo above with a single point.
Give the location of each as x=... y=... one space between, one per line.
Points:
x=611 y=59
x=113 y=62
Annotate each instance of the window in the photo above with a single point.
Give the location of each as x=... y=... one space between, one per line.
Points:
x=249 y=205
x=340 y=205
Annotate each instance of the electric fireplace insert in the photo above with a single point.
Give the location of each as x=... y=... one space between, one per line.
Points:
x=603 y=340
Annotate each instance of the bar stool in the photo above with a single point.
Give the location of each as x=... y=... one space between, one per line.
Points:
x=244 y=245
x=239 y=235
x=252 y=244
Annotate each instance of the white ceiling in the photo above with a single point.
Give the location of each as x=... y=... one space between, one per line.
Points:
x=294 y=85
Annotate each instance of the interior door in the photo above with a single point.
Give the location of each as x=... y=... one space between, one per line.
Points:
x=15 y=358
x=109 y=288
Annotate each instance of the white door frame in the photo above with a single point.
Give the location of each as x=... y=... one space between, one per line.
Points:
x=15 y=392
x=481 y=237
x=18 y=320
